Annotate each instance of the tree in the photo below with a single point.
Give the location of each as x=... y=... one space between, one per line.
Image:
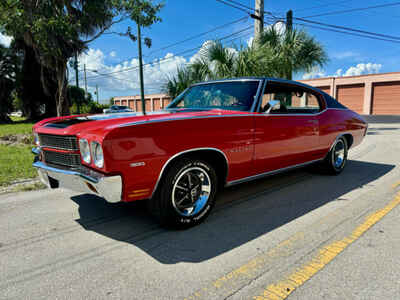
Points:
x=10 y=66
x=275 y=54
x=77 y=96
x=293 y=51
x=57 y=29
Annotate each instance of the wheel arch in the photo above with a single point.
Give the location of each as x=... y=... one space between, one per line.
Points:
x=349 y=139
x=347 y=136
x=214 y=156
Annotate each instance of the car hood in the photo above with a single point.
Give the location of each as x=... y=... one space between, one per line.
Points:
x=102 y=123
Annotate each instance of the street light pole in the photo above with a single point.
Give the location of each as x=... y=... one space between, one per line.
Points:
x=141 y=68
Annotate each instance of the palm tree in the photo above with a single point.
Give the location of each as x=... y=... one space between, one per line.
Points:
x=293 y=51
x=275 y=54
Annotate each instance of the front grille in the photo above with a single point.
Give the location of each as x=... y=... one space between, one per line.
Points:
x=62 y=159
x=58 y=141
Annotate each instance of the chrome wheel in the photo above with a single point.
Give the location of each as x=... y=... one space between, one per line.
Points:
x=191 y=191
x=338 y=154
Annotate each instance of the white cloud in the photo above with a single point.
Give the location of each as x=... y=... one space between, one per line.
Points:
x=123 y=78
x=5 y=40
x=316 y=72
x=338 y=73
x=113 y=54
x=280 y=27
x=360 y=69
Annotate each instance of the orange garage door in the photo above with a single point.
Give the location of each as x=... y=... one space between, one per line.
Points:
x=386 y=98
x=351 y=96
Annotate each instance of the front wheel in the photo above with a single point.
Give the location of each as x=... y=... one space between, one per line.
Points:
x=187 y=194
x=337 y=157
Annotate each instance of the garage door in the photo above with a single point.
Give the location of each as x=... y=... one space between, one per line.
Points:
x=326 y=89
x=351 y=96
x=386 y=98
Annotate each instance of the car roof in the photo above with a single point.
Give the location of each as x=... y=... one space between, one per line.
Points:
x=250 y=78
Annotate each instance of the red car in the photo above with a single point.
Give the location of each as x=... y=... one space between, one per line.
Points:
x=214 y=134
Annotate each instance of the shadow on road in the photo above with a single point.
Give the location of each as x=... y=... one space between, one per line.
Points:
x=243 y=213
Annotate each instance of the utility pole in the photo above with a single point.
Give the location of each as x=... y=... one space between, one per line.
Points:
x=77 y=79
x=97 y=92
x=289 y=29
x=141 y=68
x=84 y=69
x=259 y=19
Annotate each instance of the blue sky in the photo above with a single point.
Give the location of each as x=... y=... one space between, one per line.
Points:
x=348 y=55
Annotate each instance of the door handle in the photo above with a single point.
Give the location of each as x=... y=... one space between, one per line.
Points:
x=312 y=121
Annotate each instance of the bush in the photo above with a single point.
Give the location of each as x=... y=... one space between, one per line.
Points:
x=90 y=108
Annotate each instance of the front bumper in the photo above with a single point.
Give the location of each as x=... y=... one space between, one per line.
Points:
x=84 y=180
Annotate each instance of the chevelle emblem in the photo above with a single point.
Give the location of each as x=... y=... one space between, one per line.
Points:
x=137 y=164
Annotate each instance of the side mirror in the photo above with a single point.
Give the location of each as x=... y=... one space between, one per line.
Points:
x=272 y=105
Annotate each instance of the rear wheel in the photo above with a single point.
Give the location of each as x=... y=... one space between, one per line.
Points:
x=336 y=159
x=187 y=194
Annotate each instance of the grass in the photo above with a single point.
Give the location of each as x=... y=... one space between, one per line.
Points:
x=16 y=160
x=15 y=163
x=27 y=187
x=19 y=127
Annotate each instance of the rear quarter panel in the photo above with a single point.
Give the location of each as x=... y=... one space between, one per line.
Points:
x=335 y=122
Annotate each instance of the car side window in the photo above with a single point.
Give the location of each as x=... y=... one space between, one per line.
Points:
x=293 y=100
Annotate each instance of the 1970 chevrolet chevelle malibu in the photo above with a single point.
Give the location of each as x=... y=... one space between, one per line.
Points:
x=214 y=134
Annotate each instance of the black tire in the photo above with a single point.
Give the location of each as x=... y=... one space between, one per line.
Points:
x=175 y=184
x=334 y=162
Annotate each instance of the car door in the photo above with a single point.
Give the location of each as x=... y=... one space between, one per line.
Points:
x=289 y=135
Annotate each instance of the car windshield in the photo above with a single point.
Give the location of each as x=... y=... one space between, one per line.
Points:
x=234 y=95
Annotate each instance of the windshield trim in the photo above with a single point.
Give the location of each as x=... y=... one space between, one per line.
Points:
x=253 y=105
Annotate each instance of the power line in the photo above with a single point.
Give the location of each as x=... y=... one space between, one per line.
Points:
x=186 y=40
x=235 y=6
x=240 y=4
x=348 y=33
x=158 y=86
x=349 y=29
x=178 y=54
x=175 y=55
x=320 y=6
x=198 y=35
x=353 y=9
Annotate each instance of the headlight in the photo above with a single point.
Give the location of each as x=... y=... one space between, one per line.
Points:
x=97 y=153
x=85 y=150
x=36 y=139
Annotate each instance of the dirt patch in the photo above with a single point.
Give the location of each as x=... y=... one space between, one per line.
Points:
x=22 y=186
x=16 y=139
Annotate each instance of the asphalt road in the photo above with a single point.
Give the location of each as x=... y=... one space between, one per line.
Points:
x=301 y=235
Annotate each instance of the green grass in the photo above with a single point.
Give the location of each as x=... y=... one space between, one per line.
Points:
x=16 y=160
x=19 y=127
x=15 y=164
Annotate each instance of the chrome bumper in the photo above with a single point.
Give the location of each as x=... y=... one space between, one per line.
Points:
x=86 y=180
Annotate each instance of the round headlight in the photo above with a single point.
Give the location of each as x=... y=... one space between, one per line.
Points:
x=85 y=150
x=36 y=139
x=98 y=157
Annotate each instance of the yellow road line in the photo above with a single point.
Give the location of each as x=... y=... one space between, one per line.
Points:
x=246 y=270
x=396 y=185
x=282 y=289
